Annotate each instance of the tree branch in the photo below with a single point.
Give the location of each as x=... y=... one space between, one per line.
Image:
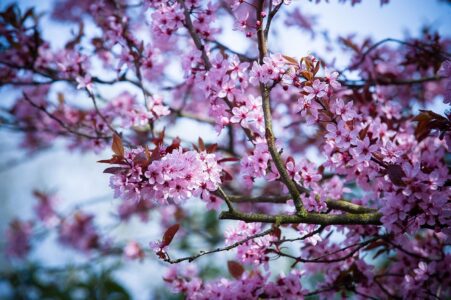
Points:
x=307 y=218
x=227 y=248
x=196 y=39
x=270 y=139
x=333 y=204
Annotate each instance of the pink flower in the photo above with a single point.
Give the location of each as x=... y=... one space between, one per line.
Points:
x=79 y=232
x=363 y=150
x=241 y=23
x=84 y=82
x=241 y=115
x=345 y=111
x=227 y=90
x=331 y=79
x=257 y=75
x=133 y=251
x=391 y=152
x=317 y=90
x=18 y=238
x=237 y=69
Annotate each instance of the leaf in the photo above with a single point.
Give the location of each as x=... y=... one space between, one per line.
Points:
x=226 y=176
x=201 y=144
x=291 y=60
x=428 y=121
x=115 y=160
x=276 y=232
x=308 y=63
x=395 y=173
x=156 y=154
x=318 y=64
x=141 y=159
x=169 y=235
x=158 y=141
x=348 y=43
x=308 y=75
x=235 y=269
x=113 y=170
x=76 y=40
x=363 y=132
x=212 y=148
x=118 y=147
x=175 y=145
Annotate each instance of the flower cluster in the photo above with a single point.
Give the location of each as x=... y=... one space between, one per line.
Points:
x=126 y=109
x=248 y=285
x=18 y=238
x=252 y=251
x=168 y=173
x=79 y=232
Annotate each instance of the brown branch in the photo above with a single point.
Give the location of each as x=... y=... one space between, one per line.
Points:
x=226 y=199
x=94 y=102
x=241 y=56
x=227 y=248
x=60 y=122
x=373 y=82
x=271 y=16
x=270 y=139
x=333 y=204
x=387 y=40
x=196 y=39
x=307 y=218
x=321 y=259
x=306 y=236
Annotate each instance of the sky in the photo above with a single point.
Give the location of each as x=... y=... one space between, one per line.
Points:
x=78 y=178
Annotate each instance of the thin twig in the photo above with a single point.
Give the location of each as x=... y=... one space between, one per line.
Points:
x=227 y=248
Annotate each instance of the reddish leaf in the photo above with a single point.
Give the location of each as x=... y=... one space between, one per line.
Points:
x=428 y=121
x=158 y=141
x=321 y=169
x=226 y=176
x=141 y=159
x=212 y=148
x=348 y=43
x=395 y=173
x=76 y=40
x=235 y=269
x=307 y=75
x=113 y=170
x=156 y=154
x=175 y=145
x=201 y=144
x=276 y=232
x=363 y=132
x=169 y=235
x=118 y=147
x=291 y=60
x=318 y=64
x=117 y=160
